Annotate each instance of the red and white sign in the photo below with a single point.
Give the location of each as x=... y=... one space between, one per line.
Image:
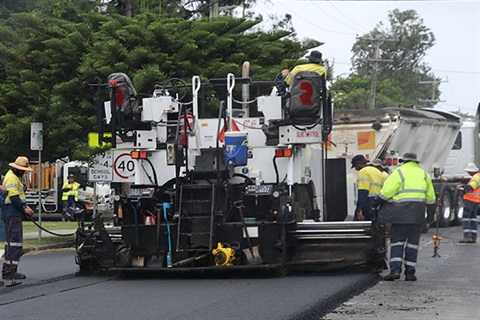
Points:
x=123 y=167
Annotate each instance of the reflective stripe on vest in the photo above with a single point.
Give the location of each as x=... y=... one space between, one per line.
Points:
x=14 y=186
x=72 y=192
x=411 y=195
x=370 y=179
x=474 y=195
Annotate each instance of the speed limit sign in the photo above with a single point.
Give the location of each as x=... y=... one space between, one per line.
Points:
x=123 y=167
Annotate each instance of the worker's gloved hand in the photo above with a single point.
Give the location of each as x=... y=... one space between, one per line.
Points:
x=65 y=189
x=377 y=203
x=360 y=216
x=430 y=213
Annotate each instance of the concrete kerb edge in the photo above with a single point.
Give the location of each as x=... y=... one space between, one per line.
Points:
x=60 y=245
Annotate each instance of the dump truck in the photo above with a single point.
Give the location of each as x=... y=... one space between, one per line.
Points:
x=387 y=134
x=465 y=149
x=227 y=191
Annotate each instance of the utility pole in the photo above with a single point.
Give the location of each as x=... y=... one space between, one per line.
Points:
x=434 y=84
x=377 y=42
x=214 y=9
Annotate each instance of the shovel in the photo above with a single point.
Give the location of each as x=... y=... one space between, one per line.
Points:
x=253 y=255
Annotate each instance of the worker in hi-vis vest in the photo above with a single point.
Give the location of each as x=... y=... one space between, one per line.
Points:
x=69 y=197
x=471 y=199
x=15 y=209
x=405 y=196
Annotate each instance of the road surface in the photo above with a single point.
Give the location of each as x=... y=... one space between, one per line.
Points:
x=447 y=288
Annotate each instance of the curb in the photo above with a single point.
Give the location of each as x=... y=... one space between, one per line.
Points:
x=60 y=245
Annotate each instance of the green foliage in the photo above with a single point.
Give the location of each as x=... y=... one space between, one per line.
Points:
x=50 y=57
x=354 y=93
x=402 y=47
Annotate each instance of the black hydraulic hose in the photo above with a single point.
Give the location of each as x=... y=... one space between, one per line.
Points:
x=100 y=111
x=153 y=170
x=48 y=231
x=177 y=166
x=217 y=144
x=276 y=169
x=244 y=176
x=113 y=111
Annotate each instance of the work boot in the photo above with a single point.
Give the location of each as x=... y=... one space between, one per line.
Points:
x=7 y=269
x=392 y=276
x=410 y=277
x=1 y=283
x=467 y=240
x=14 y=276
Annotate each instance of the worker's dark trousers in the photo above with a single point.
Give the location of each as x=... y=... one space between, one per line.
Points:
x=66 y=205
x=13 y=244
x=404 y=238
x=469 y=219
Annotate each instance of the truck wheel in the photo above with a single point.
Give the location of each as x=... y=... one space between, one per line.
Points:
x=445 y=209
x=458 y=212
x=425 y=228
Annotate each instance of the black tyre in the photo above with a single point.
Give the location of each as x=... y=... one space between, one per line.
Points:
x=445 y=213
x=458 y=211
x=425 y=228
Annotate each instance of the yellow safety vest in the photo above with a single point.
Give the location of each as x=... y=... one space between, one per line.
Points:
x=315 y=67
x=409 y=183
x=14 y=186
x=371 y=179
x=72 y=192
x=474 y=195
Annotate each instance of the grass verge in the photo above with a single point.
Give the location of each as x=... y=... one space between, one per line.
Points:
x=29 y=226
x=32 y=243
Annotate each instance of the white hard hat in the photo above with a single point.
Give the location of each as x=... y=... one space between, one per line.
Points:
x=471 y=167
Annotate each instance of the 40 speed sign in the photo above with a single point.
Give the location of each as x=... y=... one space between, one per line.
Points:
x=123 y=167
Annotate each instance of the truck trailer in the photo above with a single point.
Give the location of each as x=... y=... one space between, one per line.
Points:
x=387 y=134
x=229 y=191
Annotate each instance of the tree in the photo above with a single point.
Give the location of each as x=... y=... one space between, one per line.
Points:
x=185 y=9
x=403 y=46
x=354 y=93
x=49 y=62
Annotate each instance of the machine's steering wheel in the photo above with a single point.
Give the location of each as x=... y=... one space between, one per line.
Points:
x=175 y=87
x=279 y=84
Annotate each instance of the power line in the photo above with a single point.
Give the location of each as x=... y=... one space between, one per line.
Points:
x=434 y=84
x=455 y=71
x=348 y=18
x=300 y=16
x=377 y=42
x=334 y=18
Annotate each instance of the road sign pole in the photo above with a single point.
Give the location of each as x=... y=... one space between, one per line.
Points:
x=95 y=200
x=39 y=194
x=36 y=143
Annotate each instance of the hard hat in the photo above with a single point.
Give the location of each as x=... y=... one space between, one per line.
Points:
x=378 y=163
x=359 y=158
x=21 y=164
x=471 y=167
x=71 y=175
x=409 y=156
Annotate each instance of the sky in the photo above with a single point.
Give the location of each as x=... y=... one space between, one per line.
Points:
x=455 y=57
